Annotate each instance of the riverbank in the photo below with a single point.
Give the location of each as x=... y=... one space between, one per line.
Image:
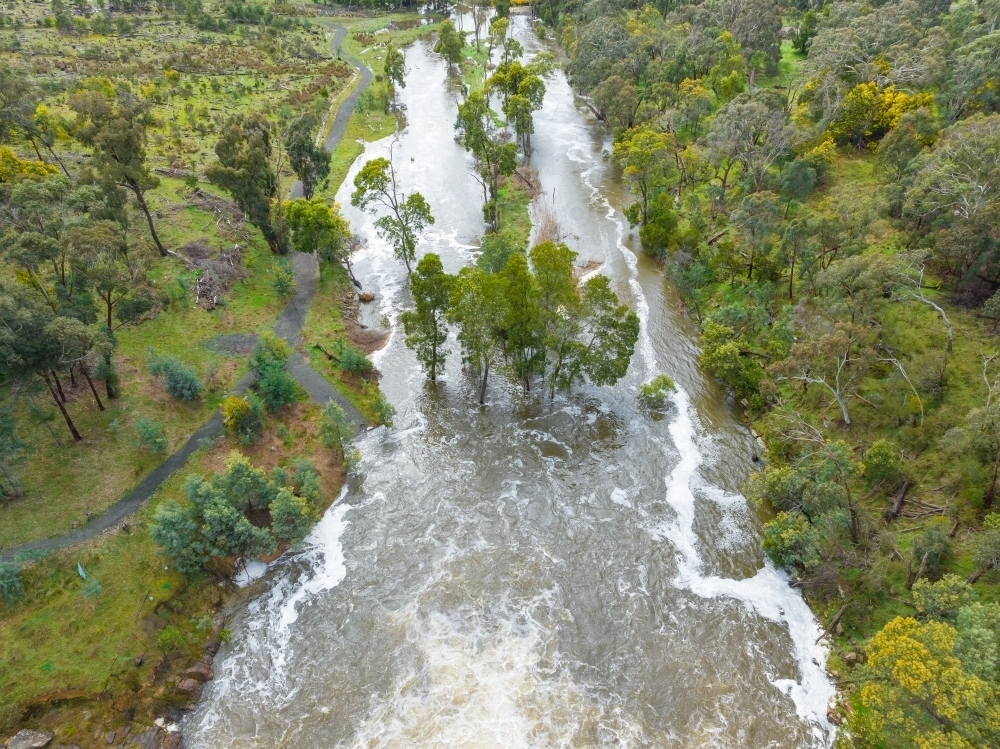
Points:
x=107 y=645
x=832 y=304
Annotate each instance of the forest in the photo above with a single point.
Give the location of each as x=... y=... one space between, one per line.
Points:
x=821 y=181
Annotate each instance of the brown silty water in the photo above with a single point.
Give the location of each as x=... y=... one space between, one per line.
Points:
x=575 y=572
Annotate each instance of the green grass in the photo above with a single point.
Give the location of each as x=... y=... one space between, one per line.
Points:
x=324 y=325
x=59 y=637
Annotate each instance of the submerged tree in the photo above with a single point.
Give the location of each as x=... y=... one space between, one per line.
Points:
x=408 y=215
x=495 y=155
x=426 y=327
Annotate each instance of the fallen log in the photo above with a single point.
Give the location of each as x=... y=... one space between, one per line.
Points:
x=893 y=512
x=834 y=622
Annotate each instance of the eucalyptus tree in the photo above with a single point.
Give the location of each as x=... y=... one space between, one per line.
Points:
x=376 y=185
x=310 y=162
x=245 y=170
x=115 y=128
x=495 y=156
x=426 y=326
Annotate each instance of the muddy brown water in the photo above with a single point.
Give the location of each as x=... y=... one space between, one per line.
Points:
x=532 y=573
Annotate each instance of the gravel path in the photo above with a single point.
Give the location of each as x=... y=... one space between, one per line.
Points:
x=288 y=326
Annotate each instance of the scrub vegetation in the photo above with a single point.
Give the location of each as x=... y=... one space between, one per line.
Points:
x=820 y=182
x=148 y=153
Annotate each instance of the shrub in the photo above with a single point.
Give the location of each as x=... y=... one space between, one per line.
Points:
x=11 y=585
x=270 y=359
x=934 y=546
x=151 y=435
x=283 y=283
x=882 y=463
x=349 y=358
x=335 y=434
x=243 y=416
x=654 y=393
x=179 y=381
x=291 y=517
x=383 y=410
x=791 y=541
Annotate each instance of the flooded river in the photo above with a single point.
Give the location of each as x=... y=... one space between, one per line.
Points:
x=531 y=573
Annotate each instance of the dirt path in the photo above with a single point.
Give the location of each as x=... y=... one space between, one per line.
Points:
x=347 y=106
x=288 y=326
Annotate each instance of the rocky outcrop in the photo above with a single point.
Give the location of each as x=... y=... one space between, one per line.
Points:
x=28 y=739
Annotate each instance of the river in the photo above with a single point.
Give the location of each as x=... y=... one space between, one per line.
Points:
x=531 y=573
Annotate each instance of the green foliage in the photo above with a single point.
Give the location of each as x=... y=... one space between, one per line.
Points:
x=317 y=227
x=349 y=358
x=151 y=435
x=426 y=328
x=283 y=282
x=931 y=549
x=11 y=584
x=450 y=42
x=336 y=433
x=212 y=522
x=179 y=381
x=791 y=541
x=274 y=384
x=942 y=599
x=408 y=215
x=245 y=172
x=882 y=463
x=383 y=410
x=243 y=416
x=496 y=249
x=291 y=517
x=654 y=393
x=394 y=66
x=310 y=162
x=12 y=455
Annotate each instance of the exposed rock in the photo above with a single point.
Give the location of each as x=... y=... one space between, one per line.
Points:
x=188 y=687
x=840 y=629
x=171 y=741
x=148 y=739
x=200 y=672
x=27 y=739
x=851 y=659
x=833 y=715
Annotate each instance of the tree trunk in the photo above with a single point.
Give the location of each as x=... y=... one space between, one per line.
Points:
x=992 y=493
x=149 y=218
x=58 y=385
x=108 y=387
x=482 y=384
x=62 y=409
x=72 y=377
x=92 y=388
x=893 y=512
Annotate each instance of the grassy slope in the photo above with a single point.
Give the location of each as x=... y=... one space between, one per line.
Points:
x=59 y=638
x=62 y=638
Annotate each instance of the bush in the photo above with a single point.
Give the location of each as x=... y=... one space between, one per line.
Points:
x=934 y=545
x=349 y=358
x=882 y=463
x=270 y=360
x=243 y=416
x=11 y=586
x=179 y=381
x=335 y=433
x=151 y=435
x=291 y=516
x=283 y=283
x=791 y=541
x=654 y=393
x=383 y=410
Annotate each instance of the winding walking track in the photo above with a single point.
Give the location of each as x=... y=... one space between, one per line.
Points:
x=288 y=326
